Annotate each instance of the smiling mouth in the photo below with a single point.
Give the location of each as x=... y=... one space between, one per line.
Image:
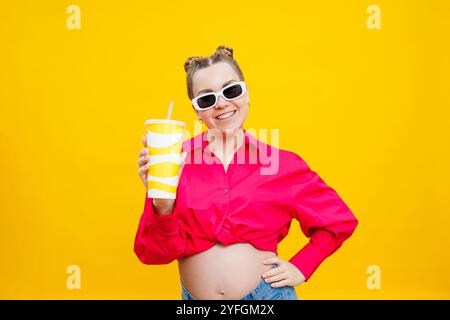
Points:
x=226 y=115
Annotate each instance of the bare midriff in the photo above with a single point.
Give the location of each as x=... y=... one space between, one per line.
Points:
x=224 y=272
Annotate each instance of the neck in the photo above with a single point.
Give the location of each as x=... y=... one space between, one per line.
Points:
x=225 y=142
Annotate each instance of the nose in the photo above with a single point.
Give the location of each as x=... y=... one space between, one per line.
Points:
x=221 y=103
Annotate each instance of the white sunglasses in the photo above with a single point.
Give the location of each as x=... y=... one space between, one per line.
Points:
x=209 y=100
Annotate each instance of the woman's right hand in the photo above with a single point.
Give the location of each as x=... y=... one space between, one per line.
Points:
x=161 y=205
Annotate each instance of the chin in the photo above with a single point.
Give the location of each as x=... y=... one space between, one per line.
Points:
x=231 y=131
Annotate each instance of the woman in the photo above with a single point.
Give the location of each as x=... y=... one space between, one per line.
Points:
x=227 y=219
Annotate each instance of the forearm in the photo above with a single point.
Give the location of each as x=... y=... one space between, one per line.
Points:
x=162 y=209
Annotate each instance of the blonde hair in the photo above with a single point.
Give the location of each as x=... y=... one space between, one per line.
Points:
x=222 y=54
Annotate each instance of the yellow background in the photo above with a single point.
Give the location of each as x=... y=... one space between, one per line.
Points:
x=367 y=109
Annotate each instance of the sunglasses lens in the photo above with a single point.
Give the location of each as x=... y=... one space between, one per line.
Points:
x=206 y=101
x=233 y=91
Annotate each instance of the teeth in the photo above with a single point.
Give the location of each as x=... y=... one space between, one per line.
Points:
x=226 y=115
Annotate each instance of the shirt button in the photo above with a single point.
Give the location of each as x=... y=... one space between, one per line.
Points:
x=225 y=191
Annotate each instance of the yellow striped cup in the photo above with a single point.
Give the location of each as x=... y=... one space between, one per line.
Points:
x=164 y=142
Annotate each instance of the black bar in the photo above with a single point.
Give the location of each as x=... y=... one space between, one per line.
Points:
x=229 y=309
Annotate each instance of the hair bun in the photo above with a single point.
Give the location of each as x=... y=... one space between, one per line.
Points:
x=224 y=50
x=190 y=62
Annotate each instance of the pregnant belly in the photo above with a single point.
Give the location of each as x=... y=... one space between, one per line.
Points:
x=224 y=272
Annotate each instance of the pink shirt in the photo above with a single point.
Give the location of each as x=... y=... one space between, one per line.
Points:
x=254 y=202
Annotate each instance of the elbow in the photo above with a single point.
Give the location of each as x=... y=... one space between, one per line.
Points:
x=353 y=225
x=142 y=255
x=148 y=257
x=350 y=228
x=338 y=234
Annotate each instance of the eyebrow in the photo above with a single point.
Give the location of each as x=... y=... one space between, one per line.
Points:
x=223 y=86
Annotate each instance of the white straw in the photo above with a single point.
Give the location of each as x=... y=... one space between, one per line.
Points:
x=170 y=110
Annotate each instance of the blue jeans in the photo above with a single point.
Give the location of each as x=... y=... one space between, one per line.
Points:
x=263 y=291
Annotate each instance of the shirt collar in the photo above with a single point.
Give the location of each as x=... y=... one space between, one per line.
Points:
x=199 y=141
x=263 y=149
x=248 y=139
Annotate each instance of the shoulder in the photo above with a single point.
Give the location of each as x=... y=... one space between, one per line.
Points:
x=291 y=161
x=280 y=162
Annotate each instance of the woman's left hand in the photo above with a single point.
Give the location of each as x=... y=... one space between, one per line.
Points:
x=285 y=274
